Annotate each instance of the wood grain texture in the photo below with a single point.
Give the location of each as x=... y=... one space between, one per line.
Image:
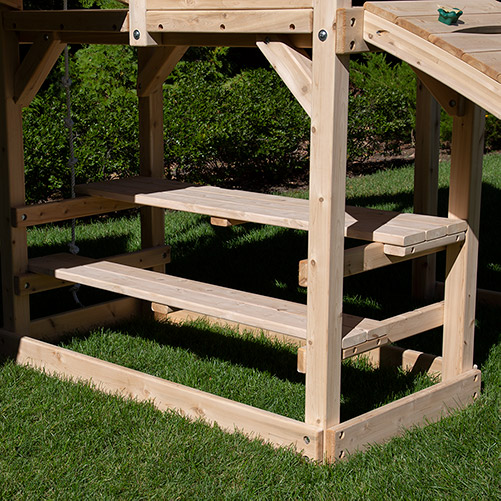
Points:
x=425 y=406
x=194 y=404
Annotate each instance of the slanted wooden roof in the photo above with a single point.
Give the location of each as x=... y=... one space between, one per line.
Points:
x=465 y=56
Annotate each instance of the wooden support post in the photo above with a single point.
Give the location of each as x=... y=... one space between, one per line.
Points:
x=326 y=230
x=426 y=183
x=462 y=259
x=151 y=145
x=13 y=242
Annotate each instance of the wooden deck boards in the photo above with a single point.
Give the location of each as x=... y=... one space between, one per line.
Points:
x=373 y=225
x=477 y=31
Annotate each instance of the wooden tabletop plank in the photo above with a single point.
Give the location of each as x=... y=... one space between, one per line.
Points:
x=487 y=62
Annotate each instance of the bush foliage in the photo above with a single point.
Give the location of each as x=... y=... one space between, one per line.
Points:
x=228 y=118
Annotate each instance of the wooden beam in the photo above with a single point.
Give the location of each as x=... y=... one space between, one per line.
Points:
x=194 y=404
x=425 y=406
x=450 y=100
x=426 y=183
x=53 y=328
x=294 y=68
x=388 y=356
x=138 y=31
x=31 y=283
x=35 y=67
x=227 y=4
x=350 y=31
x=225 y=223
x=15 y=4
x=61 y=210
x=151 y=154
x=282 y=21
x=13 y=241
x=158 y=68
x=86 y=20
x=329 y=120
x=462 y=259
x=365 y=258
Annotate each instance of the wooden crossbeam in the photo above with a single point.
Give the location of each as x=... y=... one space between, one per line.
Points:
x=294 y=67
x=425 y=406
x=15 y=4
x=62 y=210
x=191 y=403
x=227 y=4
x=35 y=67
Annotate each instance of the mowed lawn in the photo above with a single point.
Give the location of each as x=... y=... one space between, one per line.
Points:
x=62 y=440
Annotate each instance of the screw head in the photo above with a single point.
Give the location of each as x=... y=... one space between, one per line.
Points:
x=306 y=440
x=136 y=34
x=452 y=103
x=322 y=35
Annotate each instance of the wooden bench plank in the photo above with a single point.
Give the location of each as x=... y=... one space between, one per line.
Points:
x=391 y=228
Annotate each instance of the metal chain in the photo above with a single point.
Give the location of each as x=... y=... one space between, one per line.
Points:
x=72 y=161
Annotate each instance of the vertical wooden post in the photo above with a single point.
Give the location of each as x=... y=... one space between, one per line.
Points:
x=426 y=183
x=327 y=213
x=462 y=259
x=13 y=242
x=151 y=145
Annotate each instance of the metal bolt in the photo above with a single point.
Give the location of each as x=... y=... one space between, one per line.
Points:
x=452 y=103
x=136 y=34
x=306 y=440
x=322 y=35
x=26 y=285
x=24 y=217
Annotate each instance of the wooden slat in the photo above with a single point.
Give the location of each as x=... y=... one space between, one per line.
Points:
x=443 y=66
x=425 y=406
x=30 y=283
x=53 y=328
x=193 y=404
x=35 y=67
x=230 y=21
x=294 y=68
x=437 y=243
x=15 y=4
x=61 y=210
x=486 y=62
x=366 y=224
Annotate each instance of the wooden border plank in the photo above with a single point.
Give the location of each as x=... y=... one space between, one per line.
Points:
x=425 y=406
x=100 y=315
x=191 y=403
x=61 y=210
x=225 y=4
x=35 y=67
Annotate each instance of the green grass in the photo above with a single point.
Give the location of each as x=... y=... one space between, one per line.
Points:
x=61 y=440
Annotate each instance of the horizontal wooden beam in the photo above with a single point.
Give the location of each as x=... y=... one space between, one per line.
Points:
x=424 y=407
x=364 y=258
x=61 y=210
x=52 y=328
x=31 y=283
x=15 y=4
x=35 y=67
x=191 y=403
x=281 y=21
x=225 y=223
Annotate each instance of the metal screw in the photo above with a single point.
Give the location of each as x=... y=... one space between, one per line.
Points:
x=322 y=35
x=26 y=285
x=24 y=217
x=136 y=34
x=452 y=103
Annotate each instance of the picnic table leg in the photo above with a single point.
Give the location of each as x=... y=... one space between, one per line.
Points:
x=462 y=258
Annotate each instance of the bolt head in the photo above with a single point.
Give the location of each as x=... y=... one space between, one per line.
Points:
x=322 y=35
x=136 y=34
